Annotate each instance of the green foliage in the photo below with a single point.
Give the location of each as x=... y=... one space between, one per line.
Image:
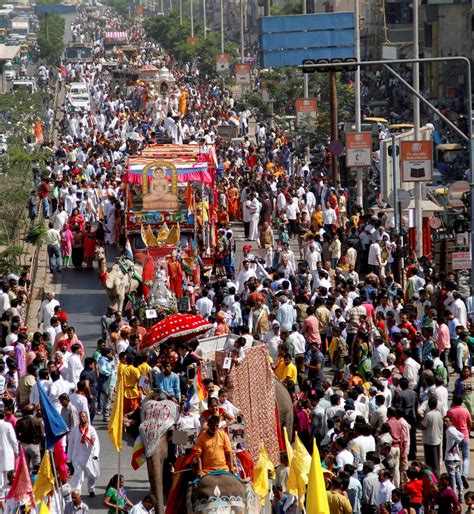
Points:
x=51 y=44
x=121 y=6
x=289 y=7
x=284 y=85
x=18 y=114
x=36 y=234
x=173 y=37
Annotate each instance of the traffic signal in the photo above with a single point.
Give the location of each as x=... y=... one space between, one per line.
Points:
x=325 y=69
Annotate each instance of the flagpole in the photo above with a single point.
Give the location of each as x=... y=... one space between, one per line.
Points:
x=118 y=482
x=59 y=489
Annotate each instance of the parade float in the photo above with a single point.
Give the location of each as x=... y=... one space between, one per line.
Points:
x=170 y=222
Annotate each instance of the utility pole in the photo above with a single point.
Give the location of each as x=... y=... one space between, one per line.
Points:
x=334 y=132
x=358 y=120
x=181 y=12
x=192 y=17
x=416 y=130
x=242 y=46
x=305 y=75
x=204 y=17
x=267 y=8
x=222 y=26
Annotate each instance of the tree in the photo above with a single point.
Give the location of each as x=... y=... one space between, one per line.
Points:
x=19 y=112
x=175 y=40
x=51 y=41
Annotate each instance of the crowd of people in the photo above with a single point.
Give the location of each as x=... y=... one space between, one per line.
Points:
x=370 y=363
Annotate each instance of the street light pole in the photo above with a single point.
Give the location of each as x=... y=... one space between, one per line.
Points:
x=416 y=130
x=222 y=26
x=181 y=12
x=192 y=17
x=305 y=75
x=242 y=57
x=358 y=120
x=204 y=17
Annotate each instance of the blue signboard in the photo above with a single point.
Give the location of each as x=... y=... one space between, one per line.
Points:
x=55 y=9
x=288 y=40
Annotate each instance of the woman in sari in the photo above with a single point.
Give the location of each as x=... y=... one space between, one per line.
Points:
x=77 y=247
x=76 y=218
x=464 y=387
x=66 y=245
x=89 y=246
x=233 y=202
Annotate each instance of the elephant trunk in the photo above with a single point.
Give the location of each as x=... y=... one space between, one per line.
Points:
x=155 y=473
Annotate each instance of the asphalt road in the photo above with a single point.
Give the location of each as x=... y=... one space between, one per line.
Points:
x=83 y=297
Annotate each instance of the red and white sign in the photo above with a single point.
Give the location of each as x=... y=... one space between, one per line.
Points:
x=242 y=74
x=461 y=260
x=222 y=62
x=358 y=149
x=306 y=111
x=417 y=161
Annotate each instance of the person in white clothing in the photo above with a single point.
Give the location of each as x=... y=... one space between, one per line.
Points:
x=411 y=370
x=46 y=311
x=255 y=208
x=79 y=398
x=83 y=453
x=205 y=305
x=74 y=364
x=8 y=449
x=244 y=274
x=145 y=506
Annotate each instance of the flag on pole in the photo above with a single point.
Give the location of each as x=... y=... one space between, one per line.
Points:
x=115 y=427
x=299 y=470
x=316 y=495
x=128 y=250
x=262 y=468
x=44 y=509
x=45 y=480
x=55 y=427
x=288 y=447
x=21 y=490
x=138 y=455
x=197 y=392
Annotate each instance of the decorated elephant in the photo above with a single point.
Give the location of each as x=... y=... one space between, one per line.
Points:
x=158 y=417
x=222 y=492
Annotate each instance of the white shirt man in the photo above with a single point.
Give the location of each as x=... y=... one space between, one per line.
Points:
x=329 y=216
x=8 y=450
x=244 y=274
x=46 y=310
x=83 y=452
x=411 y=372
x=205 y=306
x=59 y=219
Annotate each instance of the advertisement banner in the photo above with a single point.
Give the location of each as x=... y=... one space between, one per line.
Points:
x=417 y=161
x=358 y=149
x=306 y=111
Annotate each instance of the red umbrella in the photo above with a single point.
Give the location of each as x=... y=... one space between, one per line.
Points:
x=176 y=328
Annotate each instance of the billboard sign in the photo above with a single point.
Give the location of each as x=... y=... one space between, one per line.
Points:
x=417 y=161
x=358 y=149
x=222 y=63
x=289 y=40
x=242 y=74
x=306 y=111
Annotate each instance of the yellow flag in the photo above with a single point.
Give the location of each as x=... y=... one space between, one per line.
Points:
x=262 y=468
x=288 y=447
x=299 y=470
x=316 y=496
x=45 y=479
x=44 y=509
x=115 y=427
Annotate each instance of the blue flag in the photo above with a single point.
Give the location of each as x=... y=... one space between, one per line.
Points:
x=54 y=425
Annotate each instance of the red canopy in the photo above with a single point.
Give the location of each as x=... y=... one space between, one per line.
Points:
x=176 y=328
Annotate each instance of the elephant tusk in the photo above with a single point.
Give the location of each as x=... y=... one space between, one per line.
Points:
x=181 y=471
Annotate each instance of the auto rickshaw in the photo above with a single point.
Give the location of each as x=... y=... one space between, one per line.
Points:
x=398 y=128
x=451 y=161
